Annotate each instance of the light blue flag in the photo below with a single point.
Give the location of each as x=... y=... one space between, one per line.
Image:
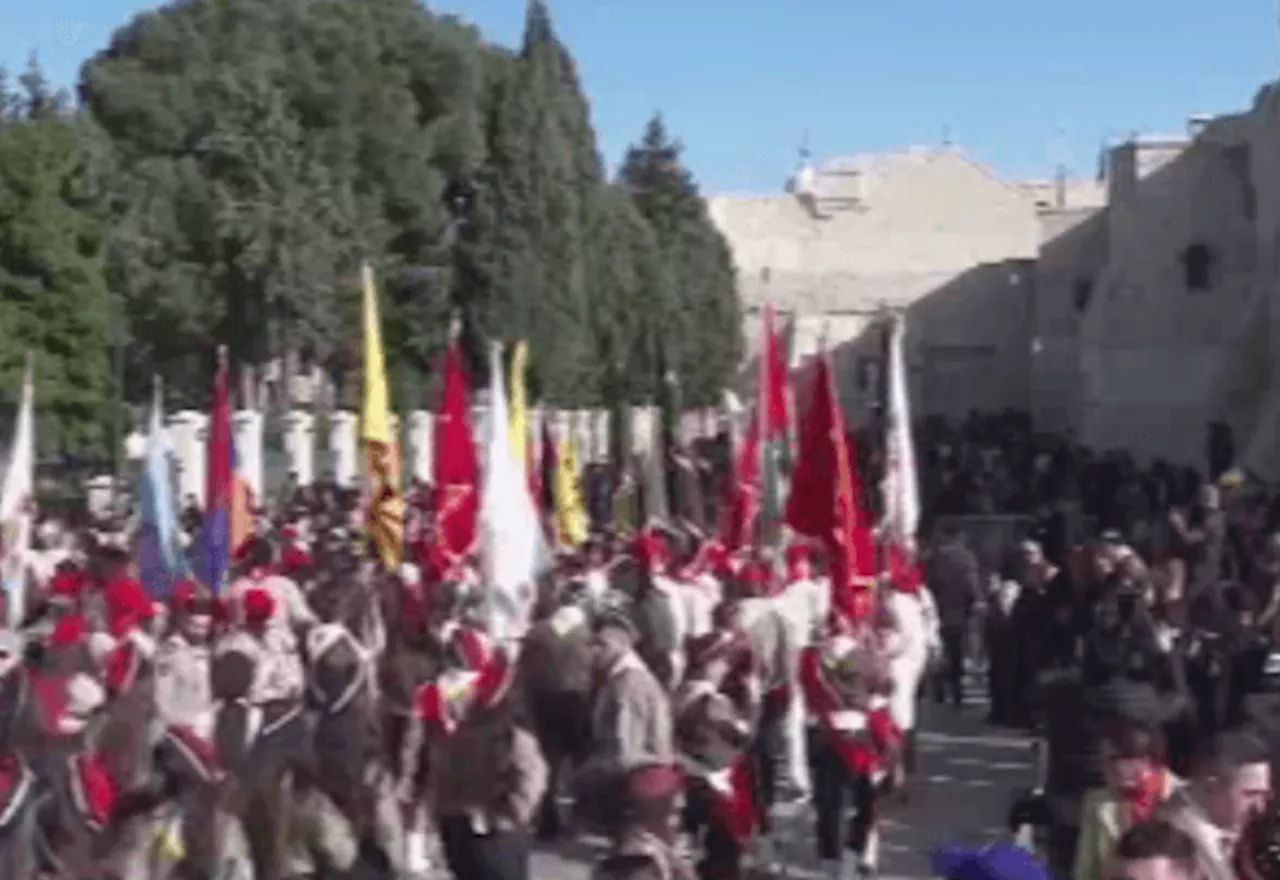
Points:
x=161 y=562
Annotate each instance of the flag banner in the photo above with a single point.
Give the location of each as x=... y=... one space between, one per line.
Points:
x=512 y=551
x=384 y=502
x=572 y=523
x=775 y=429
x=17 y=503
x=454 y=464
x=161 y=560
x=241 y=525
x=824 y=503
x=521 y=438
x=548 y=468
x=216 y=538
x=900 y=487
x=519 y=426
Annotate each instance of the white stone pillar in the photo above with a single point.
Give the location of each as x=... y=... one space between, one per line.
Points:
x=342 y=448
x=248 y=431
x=641 y=430
x=299 y=445
x=188 y=438
x=420 y=454
x=581 y=427
x=600 y=434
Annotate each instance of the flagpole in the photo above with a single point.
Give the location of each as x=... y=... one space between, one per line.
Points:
x=762 y=421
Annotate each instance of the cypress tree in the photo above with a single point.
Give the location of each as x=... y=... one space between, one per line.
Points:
x=698 y=317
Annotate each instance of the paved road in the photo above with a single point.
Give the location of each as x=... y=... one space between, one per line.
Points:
x=967 y=772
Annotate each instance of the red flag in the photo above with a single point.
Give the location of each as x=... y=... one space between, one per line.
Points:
x=773 y=381
x=546 y=471
x=755 y=489
x=456 y=473
x=743 y=503
x=219 y=484
x=824 y=495
x=532 y=472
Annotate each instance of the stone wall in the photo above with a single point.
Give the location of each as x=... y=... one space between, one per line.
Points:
x=1173 y=338
x=1072 y=256
x=929 y=233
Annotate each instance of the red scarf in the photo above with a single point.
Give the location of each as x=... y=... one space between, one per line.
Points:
x=1143 y=798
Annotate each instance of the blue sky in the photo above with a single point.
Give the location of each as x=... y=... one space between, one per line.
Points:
x=1020 y=84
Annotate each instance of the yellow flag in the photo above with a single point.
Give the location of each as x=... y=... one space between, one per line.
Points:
x=571 y=514
x=384 y=513
x=518 y=421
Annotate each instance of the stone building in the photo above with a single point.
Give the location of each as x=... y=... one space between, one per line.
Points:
x=1135 y=311
x=927 y=231
x=1156 y=315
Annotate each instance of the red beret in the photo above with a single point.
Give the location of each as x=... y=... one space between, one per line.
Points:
x=259 y=605
x=70 y=630
x=294 y=559
x=756 y=578
x=67 y=583
x=649 y=550
x=128 y=597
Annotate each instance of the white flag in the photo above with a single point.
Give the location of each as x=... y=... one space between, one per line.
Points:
x=901 y=488
x=16 y=504
x=512 y=550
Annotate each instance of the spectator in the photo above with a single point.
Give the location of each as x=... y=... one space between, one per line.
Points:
x=1137 y=782
x=1154 y=850
x=1230 y=786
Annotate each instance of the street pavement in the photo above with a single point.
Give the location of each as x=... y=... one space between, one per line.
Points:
x=961 y=793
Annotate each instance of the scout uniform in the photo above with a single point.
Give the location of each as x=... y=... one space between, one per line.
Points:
x=717 y=712
x=845 y=680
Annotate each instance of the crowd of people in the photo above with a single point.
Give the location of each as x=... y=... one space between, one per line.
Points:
x=1133 y=625
x=319 y=716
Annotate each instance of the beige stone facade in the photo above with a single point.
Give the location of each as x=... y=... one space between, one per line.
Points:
x=1133 y=311
x=928 y=232
x=1181 y=327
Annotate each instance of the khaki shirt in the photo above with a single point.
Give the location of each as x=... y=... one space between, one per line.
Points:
x=631 y=719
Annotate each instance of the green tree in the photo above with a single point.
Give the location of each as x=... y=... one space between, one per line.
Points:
x=53 y=295
x=260 y=150
x=697 y=317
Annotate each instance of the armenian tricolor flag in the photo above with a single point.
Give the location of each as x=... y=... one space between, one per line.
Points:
x=228 y=519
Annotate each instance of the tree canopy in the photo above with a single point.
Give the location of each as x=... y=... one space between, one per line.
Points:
x=232 y=162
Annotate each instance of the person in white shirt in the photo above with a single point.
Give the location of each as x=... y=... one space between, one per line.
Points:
x=1230 y=785
x=279 y=675
x=184 y=690
x=291 y=610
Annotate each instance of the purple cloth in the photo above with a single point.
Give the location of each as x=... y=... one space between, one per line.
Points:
x=1000 y=861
